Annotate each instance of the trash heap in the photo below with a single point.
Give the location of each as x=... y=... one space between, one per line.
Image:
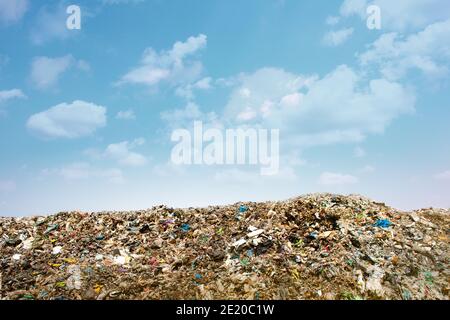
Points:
x=318 y=246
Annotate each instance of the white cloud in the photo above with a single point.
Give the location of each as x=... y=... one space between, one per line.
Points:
x=332 y=20
x=190 y=112
x=367 y=169
x=50 y=24
x=187 y=91
x=353 y=7
x=291 y=100
x=336 y=38
x=12 y=11
x=45 y=71
x=84 y=171
x=184 y=117
x=444 y=176
x=293 y=159
x=245 y=93
x=247 y=114
x=7 y=185
x=126 y=115
x=121 y=152
x=83 y=65
x=6 y=95
x=359 y=152
x=169 y=169
x=340 y=107
x=400 y=15
x=330 y=179
x=203 y=84
x=170 y=66
x=255 y=93
x=64 y=120
x=427 y=51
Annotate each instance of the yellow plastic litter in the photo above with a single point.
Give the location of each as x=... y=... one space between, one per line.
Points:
x=70 y=260
x=55 y=265
x=98 y=288
x=295 y=274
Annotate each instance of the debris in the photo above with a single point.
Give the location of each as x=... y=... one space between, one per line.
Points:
x=185 y=227
x=28 y=244
x=98 y=257
x=382 y=223
x=16 y=256
x=56 y=250
x=74 y=281
x=318 y=246
x=255 y=233
x=243 y=208
x=157 y=244
x=51 y=227
x=239 y=243
x=373 y=283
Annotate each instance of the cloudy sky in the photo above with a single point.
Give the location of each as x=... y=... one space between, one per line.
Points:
x=86 y=115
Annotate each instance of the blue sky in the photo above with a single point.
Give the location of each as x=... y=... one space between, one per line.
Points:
x=86 y=115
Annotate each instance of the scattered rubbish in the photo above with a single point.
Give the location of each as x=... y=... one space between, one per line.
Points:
x=185 y=227
x=406 y=295
x=318 y=246
x=98 y=288
x=74 y=281
x=255 y=233
x=313 y=235
x=120 y=260
x=56 y=250
x=382 y=223
x=16 y=256
x=244 y=261
x=243 y=208
x=98 y=257
x=51 y=228
x=373 y=283
x=241 y=211
x=13 y=242
x=239 y=243
x=70 y=260
x=429 y=277
x=28 y=243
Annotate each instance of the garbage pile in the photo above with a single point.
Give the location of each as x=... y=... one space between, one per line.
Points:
x=318 y=246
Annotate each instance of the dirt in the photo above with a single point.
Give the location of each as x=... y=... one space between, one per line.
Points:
x=319 y=246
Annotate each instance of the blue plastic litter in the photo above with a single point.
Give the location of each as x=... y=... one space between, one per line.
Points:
x=198 y=276
x=185 y=227
x=382 y=223
x=313 y=235
x=243 y=208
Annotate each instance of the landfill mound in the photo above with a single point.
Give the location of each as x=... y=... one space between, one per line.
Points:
x=318 y=246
